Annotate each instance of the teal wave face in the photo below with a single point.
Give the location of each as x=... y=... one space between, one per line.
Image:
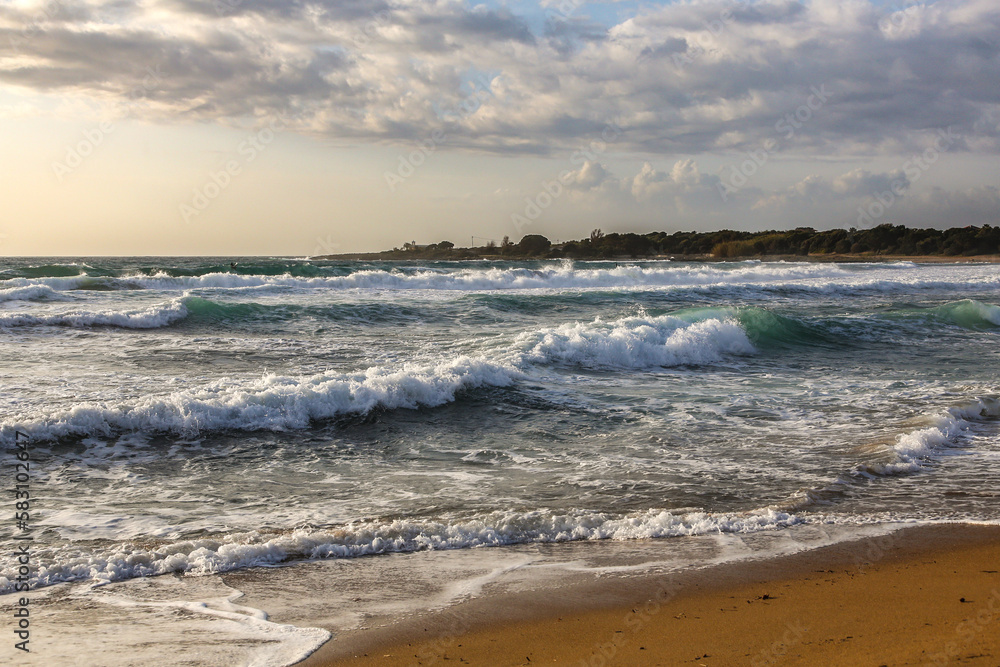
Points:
x=766 y=328
x=970 y=314
x=208 y=311
x=205 y=309
x=29 y=269
x=967 y=314
x=50 y=271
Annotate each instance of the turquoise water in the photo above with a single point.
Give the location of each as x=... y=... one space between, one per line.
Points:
x=190 y=417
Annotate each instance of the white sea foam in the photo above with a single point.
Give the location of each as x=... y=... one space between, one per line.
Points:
x=68 y=283
x=278 y=644
x=30 y=293
x=239 y=550
x=152 y=317
x=275 y=402
x=914 y=449
x=171 y=622
x=638 y=342
x=564 y=276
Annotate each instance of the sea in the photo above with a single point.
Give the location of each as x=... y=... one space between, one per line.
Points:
x=235 y=460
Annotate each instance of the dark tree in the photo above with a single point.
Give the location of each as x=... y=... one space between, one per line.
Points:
x=534 y=244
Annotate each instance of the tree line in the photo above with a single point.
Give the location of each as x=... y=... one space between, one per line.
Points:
x=803 y=241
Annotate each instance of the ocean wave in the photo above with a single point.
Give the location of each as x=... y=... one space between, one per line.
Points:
x=970 y=314
x=914 y=450
x=272 y=402
x=810 y=277
x=152 y=317
x=637 y=342
x=282 y=403
x=198 y=309
x=74 y=282
x=765 y=328
x=30 y=293
x=49 y=270
x=562 y=276
x=365 y=538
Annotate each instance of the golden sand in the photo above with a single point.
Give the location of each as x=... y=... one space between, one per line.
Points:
x=923 y=596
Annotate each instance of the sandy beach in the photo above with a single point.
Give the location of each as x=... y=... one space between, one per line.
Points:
x=921 y=596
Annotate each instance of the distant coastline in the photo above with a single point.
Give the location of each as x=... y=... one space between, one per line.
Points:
x=881 y=243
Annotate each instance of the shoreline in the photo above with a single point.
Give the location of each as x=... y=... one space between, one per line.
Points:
x=708 y=259
x=891 y=599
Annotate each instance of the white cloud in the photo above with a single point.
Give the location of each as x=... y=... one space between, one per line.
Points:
x=679 y=78
x=588 y=177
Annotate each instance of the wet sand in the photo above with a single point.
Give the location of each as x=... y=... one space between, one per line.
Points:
x=922 y=596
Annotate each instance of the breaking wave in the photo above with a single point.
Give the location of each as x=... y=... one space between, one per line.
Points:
x=637 y=342
x=970 y=314
x=913 y=450
x=364 y=538
x=565 y=275
x=152 y=317
x=30 y=293
x=277 y=403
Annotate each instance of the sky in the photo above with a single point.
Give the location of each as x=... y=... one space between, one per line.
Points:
x=306 y=127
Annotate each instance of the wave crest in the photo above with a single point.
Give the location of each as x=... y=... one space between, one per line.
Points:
x=152 y=317
x=30 y=293
x=637 y=342
x=282 y=403
x=913 y=450
x=272 y=402
x=363 y=538
x=970 y=314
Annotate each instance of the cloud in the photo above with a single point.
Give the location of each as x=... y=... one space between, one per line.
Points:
x=861 y=182
x=683 y=78
x=648 y=182
x=684 y=178
x=937 y=207
x=588 y=177
x=864 y=198
x=816 y=190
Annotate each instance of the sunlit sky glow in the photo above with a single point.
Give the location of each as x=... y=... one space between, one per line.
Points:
x=313 y=126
